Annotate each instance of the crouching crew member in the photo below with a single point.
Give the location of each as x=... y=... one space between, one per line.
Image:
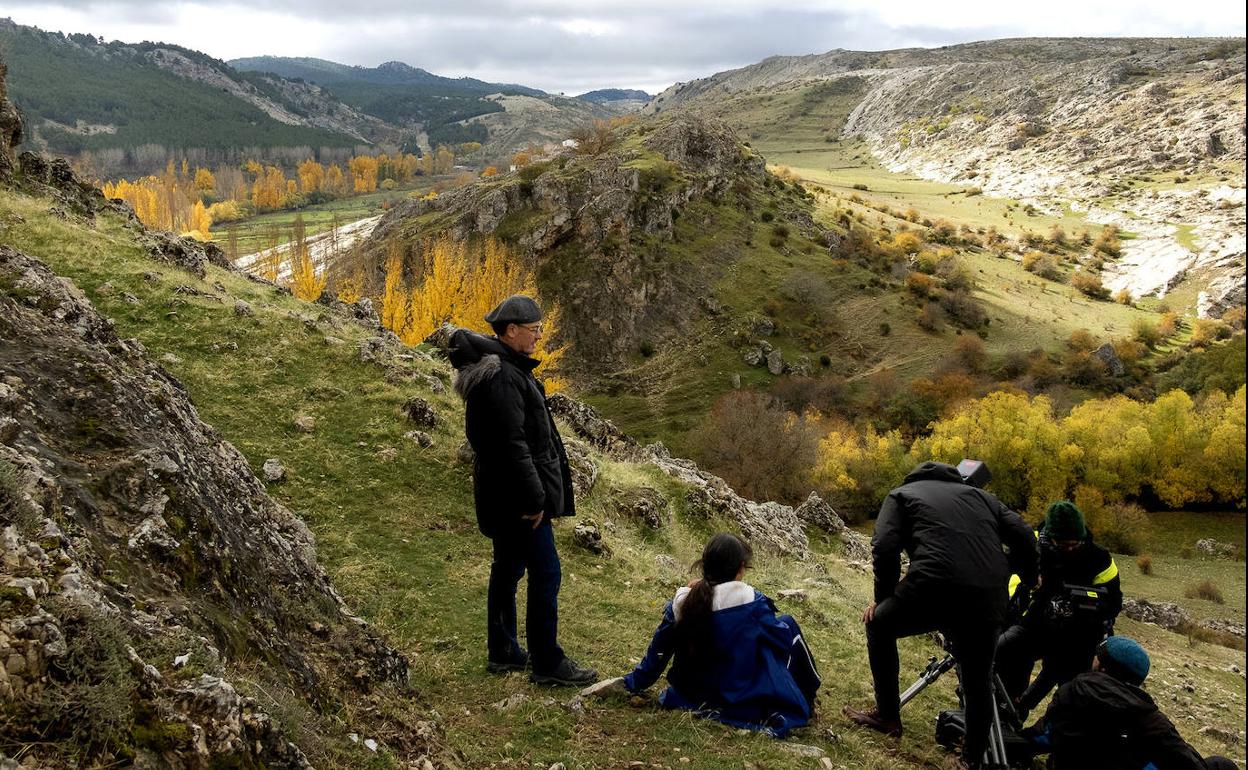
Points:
x=1069 y=613
x=1103 y=719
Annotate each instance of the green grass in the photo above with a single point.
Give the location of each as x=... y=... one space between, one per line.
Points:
x=398 y=537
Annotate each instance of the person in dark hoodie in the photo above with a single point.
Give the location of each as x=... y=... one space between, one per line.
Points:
x=956 y=536
x=733 y=658
x=521 y=481
x=1051 y=630
x=1104 y=720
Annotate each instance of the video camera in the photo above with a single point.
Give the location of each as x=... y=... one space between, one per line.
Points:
x=974 y=472
x=1077 y=603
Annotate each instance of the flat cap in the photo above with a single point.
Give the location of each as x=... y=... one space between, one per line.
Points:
x=516 y=309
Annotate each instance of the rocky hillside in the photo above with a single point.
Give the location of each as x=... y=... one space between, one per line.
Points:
x=1145 y=134
x=150 y=587
x=604 y=231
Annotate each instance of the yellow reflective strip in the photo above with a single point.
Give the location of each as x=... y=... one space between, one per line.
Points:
x=1015 y=582
x=1093 y=594
x=1108 y=574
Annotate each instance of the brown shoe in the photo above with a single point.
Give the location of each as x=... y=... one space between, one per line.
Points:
x=871 y=719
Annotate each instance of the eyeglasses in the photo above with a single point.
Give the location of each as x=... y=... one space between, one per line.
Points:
x=535 y=328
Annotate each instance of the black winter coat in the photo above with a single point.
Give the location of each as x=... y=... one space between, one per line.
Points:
x=521 y=467
x=953 y=533
x=1089 y=565
x=1098 y=721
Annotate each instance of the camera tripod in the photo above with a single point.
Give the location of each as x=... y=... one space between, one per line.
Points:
x=995 y=756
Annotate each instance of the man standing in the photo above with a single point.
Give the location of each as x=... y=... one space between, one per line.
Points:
x=954 y=534
x=521 y=481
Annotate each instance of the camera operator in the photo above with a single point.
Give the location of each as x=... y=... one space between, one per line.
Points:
x=954 y=534
x=1104 y=719
x=1071 y=611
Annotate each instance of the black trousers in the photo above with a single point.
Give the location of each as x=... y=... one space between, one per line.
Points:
x=524 y=549
x=969 y=619
x=1063 y=655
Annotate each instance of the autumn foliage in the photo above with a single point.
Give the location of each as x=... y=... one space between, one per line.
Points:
x=458 y=283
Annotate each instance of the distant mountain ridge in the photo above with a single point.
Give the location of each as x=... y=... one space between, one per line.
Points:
x=326 y=72
x=79 y=93
x=603 y=95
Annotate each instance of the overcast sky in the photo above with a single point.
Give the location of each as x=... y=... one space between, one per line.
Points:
x=577 y=45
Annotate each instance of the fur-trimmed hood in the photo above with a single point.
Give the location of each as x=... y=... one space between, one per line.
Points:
x=477 y=358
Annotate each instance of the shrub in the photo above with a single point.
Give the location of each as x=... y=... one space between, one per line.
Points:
x=647 y=348
x=1107 y=242
x=885 y=329
x=1147 y=332
x=1145 y=564
x=1120 y=527
x=1206 y=590
x=1089 y=284
x=780 y=231
x=963 y=309
x=1207 y=330
x=1057 y=236
x=767 y=216
x=1042 y=264
x=1123 y=297
x=920 y=285
x=861 y=186
x=931 y=317
x=970 y=354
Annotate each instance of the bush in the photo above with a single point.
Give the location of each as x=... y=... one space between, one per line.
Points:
x=931 y=318
x=1089 y=284
x=1206 y=590
x=1123 y=297
x=1145 y=564
x=1107 y=243
x=1042 y=264
x=885 y=329
x=1147 y=333
x=920 y=284
x=1120 y=527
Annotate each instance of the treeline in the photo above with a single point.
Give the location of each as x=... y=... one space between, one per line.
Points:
x=1108 y=454
x=190 y=200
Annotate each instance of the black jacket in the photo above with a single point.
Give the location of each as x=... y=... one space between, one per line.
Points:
x=521 y=467
x=1097 y=721
x=953 y=533
x=1089 y=565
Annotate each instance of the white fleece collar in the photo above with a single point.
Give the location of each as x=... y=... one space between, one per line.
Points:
x=734 y=593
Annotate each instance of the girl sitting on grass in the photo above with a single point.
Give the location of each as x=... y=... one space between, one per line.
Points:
x=735 y=659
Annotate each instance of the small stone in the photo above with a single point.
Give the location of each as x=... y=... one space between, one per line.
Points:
x=333 y=341
x=420 y=437
x=586 y=535
x=170 y=358
x=775 y=362
x=273 y=470
x=9 y=428
x=558 y=766
x=181 y=660
x=106 y=289
x=370 y=744
x=465 y=455
x=242 y=308
x=305 y=423
x=794 y=594
x=419 y=411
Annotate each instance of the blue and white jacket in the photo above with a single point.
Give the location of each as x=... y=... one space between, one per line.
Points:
x=746 y=683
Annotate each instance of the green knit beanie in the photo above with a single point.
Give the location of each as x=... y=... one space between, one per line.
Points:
x=1064 y=521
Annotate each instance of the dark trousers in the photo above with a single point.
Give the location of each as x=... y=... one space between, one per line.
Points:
x=1064 y=657
x=970 y=627
x=515 y=552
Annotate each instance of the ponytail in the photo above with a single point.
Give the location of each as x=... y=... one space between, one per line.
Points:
x=722 y=560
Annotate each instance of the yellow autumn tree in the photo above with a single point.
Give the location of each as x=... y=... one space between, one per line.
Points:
x=204 y=180
x=200 y=223
x=311 y=176
x=335 y=181
x=306 y=282
x=394 y=298
x=363 y=173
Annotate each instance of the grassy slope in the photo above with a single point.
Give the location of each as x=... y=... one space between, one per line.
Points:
x=398 y=537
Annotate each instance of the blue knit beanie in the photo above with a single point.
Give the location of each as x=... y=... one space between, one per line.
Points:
x=1125 y=659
